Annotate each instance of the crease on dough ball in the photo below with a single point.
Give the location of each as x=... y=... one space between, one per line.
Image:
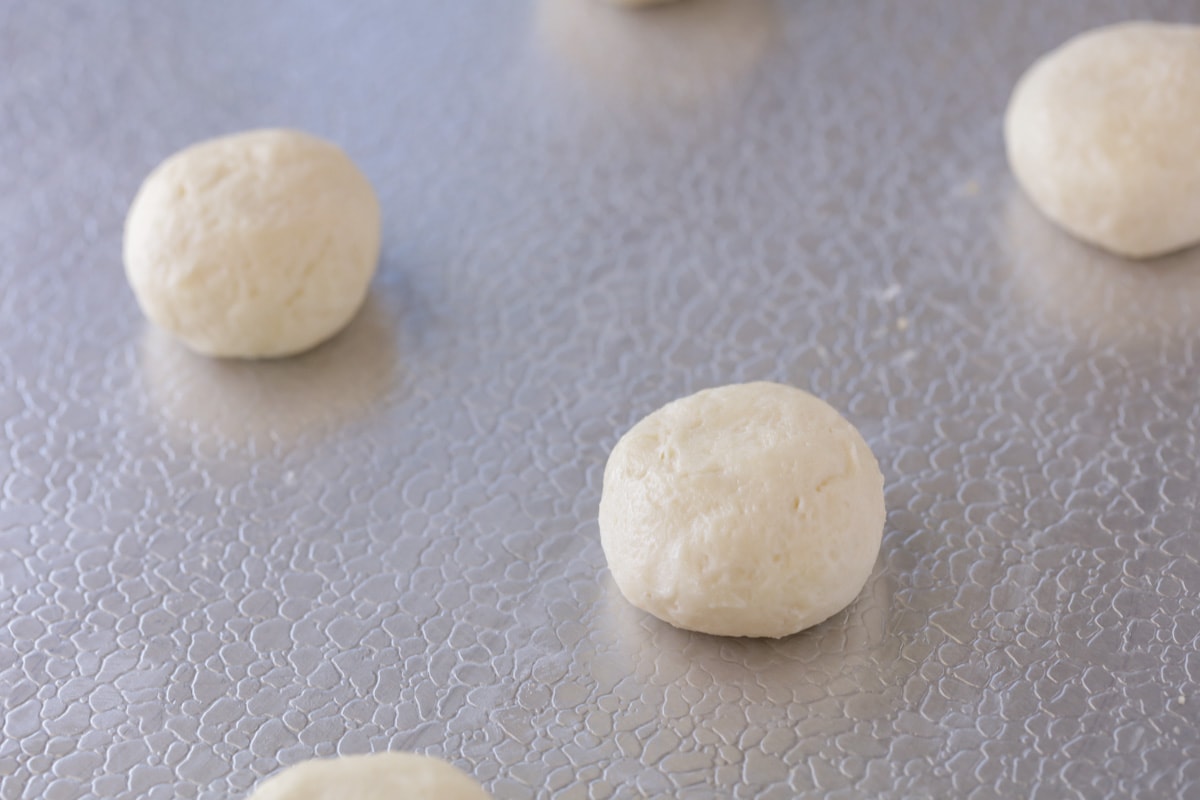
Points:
x=382 y=776
x=1102 y=134
x=745 y=510
x=256 y=245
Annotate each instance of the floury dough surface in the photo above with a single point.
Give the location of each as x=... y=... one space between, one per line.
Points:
x=255 y=245
x=383 y=776
x=1103 y=135
x=746 y=510
x=194 y=599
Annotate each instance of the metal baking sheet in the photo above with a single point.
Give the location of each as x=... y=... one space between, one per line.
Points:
x=212 y=570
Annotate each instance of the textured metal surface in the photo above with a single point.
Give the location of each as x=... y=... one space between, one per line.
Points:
x=211 y=570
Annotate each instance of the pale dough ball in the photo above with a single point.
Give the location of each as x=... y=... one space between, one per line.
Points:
x=637 y=3
x=255 y=245
x=679 y=54
x=745 y=510
x=1103 y=134
x=383 y=776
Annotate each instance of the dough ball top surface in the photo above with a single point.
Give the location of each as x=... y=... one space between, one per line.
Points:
x=383 y=776
x=1103 y=135
x=258 y=244
x=746 y=510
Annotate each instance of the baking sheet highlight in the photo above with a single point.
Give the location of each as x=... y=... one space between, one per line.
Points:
x=211 y=570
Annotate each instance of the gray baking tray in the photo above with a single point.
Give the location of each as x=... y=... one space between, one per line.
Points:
x=212 y=570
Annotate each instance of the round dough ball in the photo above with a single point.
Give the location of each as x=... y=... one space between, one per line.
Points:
x=383 y=776
x=255 y=245
x=746 y=510
x=1103 y=135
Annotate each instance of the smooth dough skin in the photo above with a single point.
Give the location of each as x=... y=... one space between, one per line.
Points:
x=746 y=510
x=256 y=245
x=1103 y=134
x=383 y=776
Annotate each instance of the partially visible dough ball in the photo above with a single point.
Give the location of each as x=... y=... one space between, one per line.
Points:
x=746 y=510
x=637 y=3
x=674 y=55
x=255 y=245
x=383 y=776
x=1103 y=134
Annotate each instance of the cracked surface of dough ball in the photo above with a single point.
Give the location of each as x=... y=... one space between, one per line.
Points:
x=746 y=510
x=256 y=245
x=1102 y=134
x=383 y=776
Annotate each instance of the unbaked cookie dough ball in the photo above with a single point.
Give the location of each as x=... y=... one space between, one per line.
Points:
x=667 y=56
x=638 y=3
x=746 y=510
x=1103 y=135
x=255 y=245
x=383 y=776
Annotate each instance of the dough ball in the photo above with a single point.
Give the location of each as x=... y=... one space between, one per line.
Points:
x=1103 y=135
x=679 y=54
x=255 y=245
x=745 y=510
x=383 y=776
x=638 y=3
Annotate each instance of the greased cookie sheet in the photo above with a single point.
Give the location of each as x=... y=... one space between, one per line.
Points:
x=209 y=570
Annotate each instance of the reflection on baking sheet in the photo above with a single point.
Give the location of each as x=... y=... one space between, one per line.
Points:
x=659 y=654
x=1092 y=292
x=674 y=54
x=256 y=402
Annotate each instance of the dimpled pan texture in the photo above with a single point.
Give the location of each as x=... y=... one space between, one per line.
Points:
x=211 y=570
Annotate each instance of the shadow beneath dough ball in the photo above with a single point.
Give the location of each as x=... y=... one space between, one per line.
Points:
x=677 y=54
x=1094 y=293
x=272 y=401
x=658 y=653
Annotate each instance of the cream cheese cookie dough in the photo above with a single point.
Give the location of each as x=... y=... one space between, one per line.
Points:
x=747 y=510
x=256 y=245
x=383 y=776
x=1103 y=135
